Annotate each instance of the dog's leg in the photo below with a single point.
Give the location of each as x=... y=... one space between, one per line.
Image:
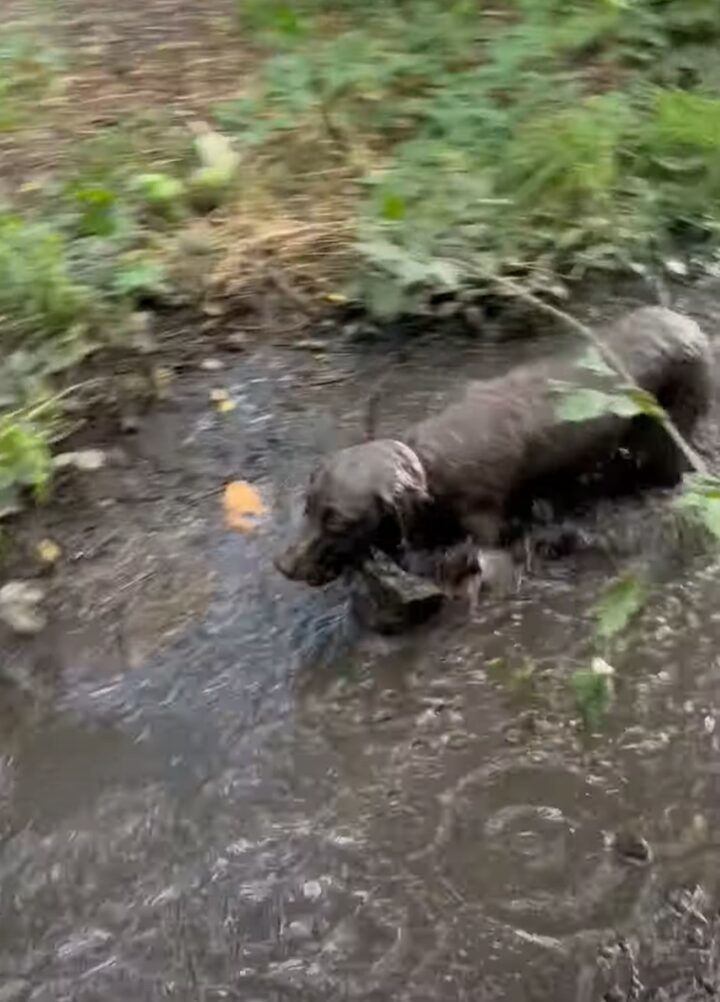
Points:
x=473 y=587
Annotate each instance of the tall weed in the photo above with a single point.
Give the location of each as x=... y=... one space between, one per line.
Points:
x=29 y=72
x=540 y=136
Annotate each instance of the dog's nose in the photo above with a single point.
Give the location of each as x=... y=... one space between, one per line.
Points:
x=286 y=564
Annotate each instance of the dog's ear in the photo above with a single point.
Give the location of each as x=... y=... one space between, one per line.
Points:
x=408 y=491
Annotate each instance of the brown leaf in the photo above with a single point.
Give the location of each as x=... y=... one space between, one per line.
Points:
x=243 y=506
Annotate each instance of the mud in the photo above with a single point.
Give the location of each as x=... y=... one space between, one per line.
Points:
x=212 y=786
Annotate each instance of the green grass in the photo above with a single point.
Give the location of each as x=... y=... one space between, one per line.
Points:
x=79 y=254
x=29 y=73
x=539 y=139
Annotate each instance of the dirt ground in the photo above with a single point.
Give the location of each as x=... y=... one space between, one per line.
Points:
x=173 y=56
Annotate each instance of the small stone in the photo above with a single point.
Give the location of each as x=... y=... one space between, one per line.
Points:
x=85 y=460
x=236 y=341
x=20 y=607
x=674 y=266
x=212 y=365
x=140 y=333
x=299 y=930
x=310 y=344
x=456 y=740
x=129 y=424
x=614 y=995
x=312 y=890
x=213 y=308
x=632 y=848
x=48 y=553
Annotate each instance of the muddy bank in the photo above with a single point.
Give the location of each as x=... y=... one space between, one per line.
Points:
x=212 y=787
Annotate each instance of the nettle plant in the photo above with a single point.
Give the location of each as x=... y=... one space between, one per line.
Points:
x=615 y=392
x=539 y=139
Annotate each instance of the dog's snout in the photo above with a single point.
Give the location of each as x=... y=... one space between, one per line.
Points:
x=286 y=564
x=311 y=560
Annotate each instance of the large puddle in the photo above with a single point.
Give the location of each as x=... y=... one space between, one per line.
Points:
x=267 y=806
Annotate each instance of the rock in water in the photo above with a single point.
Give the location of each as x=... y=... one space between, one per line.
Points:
x=632 y=847
x=390 y=599
x=21 y=607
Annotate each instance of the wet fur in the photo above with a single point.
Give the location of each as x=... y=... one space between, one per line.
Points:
x=496 y=447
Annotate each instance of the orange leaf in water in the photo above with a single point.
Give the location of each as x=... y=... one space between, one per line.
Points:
x=243 y=506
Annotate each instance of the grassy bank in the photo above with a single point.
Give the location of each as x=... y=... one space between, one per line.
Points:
x=542 y=138
x=387 y=152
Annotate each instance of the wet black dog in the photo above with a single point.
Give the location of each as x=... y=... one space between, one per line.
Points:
x=464 y=466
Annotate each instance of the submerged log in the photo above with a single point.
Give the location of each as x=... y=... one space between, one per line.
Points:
x=389 y=599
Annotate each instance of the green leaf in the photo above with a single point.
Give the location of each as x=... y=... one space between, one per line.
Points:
x=702 y=484
x=594 y=693
x=216 y=152
x=701 y=498
x=97 y=212
x=386 y=299
x=646 y=402
x=279 y=18
x=444 y=273
x=593 y=361
x=24 y=457
x=138 y=277
x=621 y=600
x=210 y=184
x=158 y=190
x=287 y=22
x=393 y=207
x=586 y=404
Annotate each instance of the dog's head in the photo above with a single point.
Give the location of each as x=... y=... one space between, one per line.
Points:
x=363 y=496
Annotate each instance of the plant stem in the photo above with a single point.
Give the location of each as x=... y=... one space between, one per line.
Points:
x=695 y=460
x=30 y=413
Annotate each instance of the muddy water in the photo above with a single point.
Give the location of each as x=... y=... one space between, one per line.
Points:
x=228 y=792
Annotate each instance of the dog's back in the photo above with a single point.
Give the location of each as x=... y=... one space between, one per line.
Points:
x=506 y=431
